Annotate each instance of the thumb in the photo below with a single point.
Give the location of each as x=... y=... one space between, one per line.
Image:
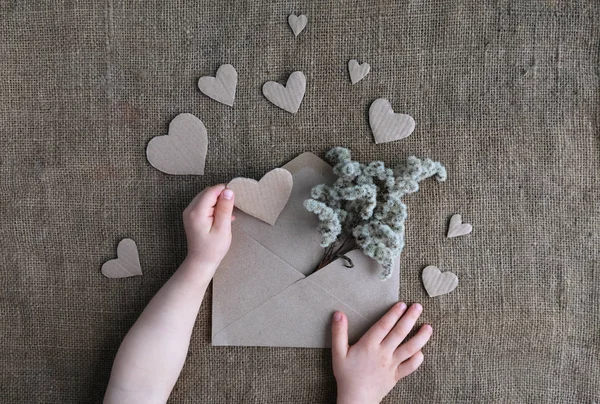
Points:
x=223 y=211
x=339 y=335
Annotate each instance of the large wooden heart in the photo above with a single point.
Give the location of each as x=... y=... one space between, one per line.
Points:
x=264 y=199
x=183 y=150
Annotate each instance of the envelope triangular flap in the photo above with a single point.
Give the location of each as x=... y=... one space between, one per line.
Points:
x=360 y=287
x=297 y=317
x=294 y=237
x=248 y=276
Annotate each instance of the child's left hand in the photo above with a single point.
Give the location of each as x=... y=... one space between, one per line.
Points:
x=207 y=222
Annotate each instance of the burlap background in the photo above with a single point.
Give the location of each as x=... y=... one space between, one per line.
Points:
x=505 y=93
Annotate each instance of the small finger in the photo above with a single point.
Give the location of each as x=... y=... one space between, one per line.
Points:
x=403 y=327
x=339 y=335
x=381 y=328
x=409 y=366
x=223 y=212
x=413 y=345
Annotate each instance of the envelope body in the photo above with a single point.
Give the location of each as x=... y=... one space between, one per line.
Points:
x=265 y=292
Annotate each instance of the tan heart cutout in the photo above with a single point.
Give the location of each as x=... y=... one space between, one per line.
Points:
x=437 y=283
x=127 y=262
x=222 y=87
x=264 y=199
x=386 y=125
x=458 y=228
x=183 y=150
x=297 y=23
x=288 y=97
x=358 y=71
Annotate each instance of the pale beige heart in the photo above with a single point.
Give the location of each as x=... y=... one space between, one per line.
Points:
x=288 y=97
x=127 y=262
x=458 y=228
x=264 y=199
x=386 y=125
x=358 y=71
x=297 y=23
x=438 y=283
x=222 y=87
x=183 y=150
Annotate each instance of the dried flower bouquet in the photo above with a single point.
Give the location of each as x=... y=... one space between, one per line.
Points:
x=363 y=210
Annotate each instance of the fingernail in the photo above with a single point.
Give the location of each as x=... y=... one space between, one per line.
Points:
x=228 y=194
x=418 y=307
x=337 y=316
x=402 y=305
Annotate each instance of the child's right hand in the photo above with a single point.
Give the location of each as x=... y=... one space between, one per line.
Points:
x=367 y=371
x=207 y=222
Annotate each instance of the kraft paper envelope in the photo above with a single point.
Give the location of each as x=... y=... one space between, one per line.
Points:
x=264 y=293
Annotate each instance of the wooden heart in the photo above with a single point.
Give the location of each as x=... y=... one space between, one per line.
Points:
x=358 y=71
x=222 y=87
x=437 y=283
x=127 y=262
x=297 y=23
x=288 y=97
x=458 y=228
x=386 y=125
x=264 y=199
x=183 y=150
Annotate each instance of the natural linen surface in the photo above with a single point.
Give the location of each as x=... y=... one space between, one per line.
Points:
x=504 y=93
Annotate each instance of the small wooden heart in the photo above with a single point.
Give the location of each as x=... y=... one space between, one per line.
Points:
x=288 y=97
x=264 y=199
x=386 y=125
x=183 y=150
x=127 y=262
x=297 y=23
x=222 y=87
x=437 y=283
x=458 y=228
x=358 y=71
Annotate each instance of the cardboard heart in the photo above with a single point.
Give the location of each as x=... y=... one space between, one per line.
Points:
x=437 y=283
x=127 y=262
x=297 y=23
x=183 y=150
x=358 y=71
x=288 y=97
x=264 y=199
x=222 y=87
x=458 y=228
x=386 y=125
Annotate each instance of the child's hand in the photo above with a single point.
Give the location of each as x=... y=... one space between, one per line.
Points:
x=367 y=371
x=207 y=221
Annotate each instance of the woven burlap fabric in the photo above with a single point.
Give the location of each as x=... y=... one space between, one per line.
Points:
x=504 y=93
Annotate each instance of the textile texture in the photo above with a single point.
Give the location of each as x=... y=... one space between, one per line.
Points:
x=504 y=93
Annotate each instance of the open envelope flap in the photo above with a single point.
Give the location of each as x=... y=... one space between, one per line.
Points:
x=300 y=316
x=360 y=287
x=294 y=237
